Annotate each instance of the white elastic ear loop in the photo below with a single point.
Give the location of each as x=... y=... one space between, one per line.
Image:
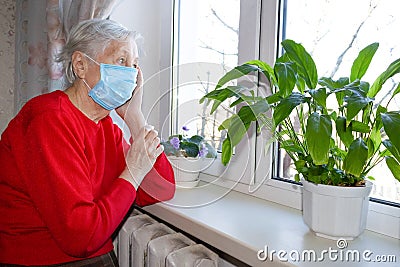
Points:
x=87 y=85
x=92 y=59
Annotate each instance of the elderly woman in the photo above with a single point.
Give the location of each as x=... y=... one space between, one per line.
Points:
x=67 y=177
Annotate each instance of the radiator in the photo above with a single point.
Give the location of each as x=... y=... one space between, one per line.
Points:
x=143 y=241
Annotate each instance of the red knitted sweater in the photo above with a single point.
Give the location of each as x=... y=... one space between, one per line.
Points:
x=60 y=195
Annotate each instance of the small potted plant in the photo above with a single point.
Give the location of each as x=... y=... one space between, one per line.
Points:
x=342 y=132
x=188 y=156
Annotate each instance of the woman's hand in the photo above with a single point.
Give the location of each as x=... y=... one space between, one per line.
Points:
x=131 y=111
x=142 y=155
x=134 y=105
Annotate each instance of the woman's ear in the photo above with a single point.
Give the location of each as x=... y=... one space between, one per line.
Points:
x=79 y=64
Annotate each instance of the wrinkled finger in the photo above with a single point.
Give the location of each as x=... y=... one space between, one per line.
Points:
x=158 y=151
x=150 y=135
x=152 y=138
x=156 y=141
x=148 y=128
x=154 y=153
x=152 y=146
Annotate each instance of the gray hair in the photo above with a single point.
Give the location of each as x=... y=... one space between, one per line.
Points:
x=91 y=37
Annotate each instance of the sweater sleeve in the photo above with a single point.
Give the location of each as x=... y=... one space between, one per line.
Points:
x=53 y=166
x=158 y=185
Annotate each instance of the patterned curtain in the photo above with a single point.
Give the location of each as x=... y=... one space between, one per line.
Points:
x=41 y=29
x=31 y=77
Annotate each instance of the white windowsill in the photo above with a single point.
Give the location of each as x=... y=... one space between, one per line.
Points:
x=241 y=225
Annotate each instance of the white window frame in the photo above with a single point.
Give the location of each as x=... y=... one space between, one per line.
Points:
x=248 y=49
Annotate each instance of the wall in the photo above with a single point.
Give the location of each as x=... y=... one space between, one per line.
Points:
x=152 y=20
x=7 y=61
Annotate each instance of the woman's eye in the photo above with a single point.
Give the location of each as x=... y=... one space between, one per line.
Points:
x=121 y=61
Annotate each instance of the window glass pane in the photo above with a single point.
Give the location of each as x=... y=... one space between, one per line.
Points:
x=334 y=32
x=206 y=47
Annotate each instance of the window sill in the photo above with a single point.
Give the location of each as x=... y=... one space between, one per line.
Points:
x=241 y=225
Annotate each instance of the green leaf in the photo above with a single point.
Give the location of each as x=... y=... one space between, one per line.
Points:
x=273 y=98
x=303 y=60
x=338 y=153
x=220 y=95
x=227 y=151
x=251 y=112
x=356 y=157
x=236 y=129
x=355 y=103
x=360 y=127
x=393 y=69
x=318 y=134
x=283 y=59
x=371 y=147
x=245 y=98
x=391 y=124
x=334 y=85
x=169 y=149
x=343 y=131
x=265 y=68
x=333 y=115
x=301 y=84
x=239 y=124
x=286 y=78
x=375 y=137
x=378 y=120
x=361 y=63
x=175 y=135
x=235 y=73
x=292 y=147
x=192 y=150
x=392 y=149
x=285 y=107
x=394 y=167
x=320 y=96
x=197 y=139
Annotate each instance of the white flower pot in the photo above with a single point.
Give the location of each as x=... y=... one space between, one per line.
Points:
x=187 y=170
x=334 y=211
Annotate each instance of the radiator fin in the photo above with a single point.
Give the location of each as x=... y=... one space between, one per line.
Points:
x=143 y=241
x=158 y=249
x=192 y=256
x=142 y=237
x=132 y=224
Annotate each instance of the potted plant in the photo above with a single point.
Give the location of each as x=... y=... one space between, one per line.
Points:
x=342 y=132
x=188 y=156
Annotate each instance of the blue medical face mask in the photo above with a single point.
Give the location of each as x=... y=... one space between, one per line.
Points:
x=115 y=87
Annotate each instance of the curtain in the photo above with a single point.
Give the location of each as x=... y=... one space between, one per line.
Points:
x=41 y=30
x=31 y=51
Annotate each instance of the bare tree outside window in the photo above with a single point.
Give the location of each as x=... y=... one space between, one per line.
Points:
x=208 y=32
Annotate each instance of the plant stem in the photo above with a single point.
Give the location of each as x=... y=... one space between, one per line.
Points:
x=377 y=161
